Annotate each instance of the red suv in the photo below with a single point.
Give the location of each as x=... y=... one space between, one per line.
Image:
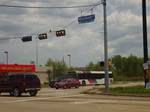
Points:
x=16 y=84
x=67 y=83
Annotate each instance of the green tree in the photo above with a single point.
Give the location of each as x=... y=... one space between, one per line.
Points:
x=93 y=67
x=128 y=67
x=117 y=64
x=59 y=67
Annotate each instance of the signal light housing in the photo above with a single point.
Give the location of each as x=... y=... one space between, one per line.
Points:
x=26 y=38
x=42 y=36
x=60 y=33
x=102 y=63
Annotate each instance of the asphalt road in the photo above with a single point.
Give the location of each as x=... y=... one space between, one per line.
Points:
x=70 y=100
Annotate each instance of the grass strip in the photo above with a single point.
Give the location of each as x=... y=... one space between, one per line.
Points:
x=130 y=90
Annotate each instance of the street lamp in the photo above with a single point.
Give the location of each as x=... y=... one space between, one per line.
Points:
x=37 y=56
x=6 y=52
x=69 y=55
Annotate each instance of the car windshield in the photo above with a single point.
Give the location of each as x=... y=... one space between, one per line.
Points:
x=30 y=77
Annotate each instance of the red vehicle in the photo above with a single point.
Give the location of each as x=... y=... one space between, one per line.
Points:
x=67 y=83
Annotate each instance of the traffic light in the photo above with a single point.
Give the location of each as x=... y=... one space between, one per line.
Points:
x=60 y=33
x=27 y=38
x=102 y=63
x=42 y=36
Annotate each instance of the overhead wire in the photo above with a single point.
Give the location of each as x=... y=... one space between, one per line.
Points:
x=66 y=26
x=47 y=7
x=73 y=21
x=86 y=11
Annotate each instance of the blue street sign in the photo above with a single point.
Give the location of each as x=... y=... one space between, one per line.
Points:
x=86 y=19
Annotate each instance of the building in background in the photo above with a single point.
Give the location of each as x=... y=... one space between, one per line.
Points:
x=44 y=73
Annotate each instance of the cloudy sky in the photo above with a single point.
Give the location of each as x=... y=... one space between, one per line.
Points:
x=84 y=42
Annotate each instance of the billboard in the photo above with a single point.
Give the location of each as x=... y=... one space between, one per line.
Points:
x=16 y=68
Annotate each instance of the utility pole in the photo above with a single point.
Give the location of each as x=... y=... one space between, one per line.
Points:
x=37 y=57
x=6 y=52
x=145 y=48
x=105 y=48
x=69 y=55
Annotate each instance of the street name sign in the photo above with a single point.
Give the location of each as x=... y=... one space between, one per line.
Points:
x=86 y=19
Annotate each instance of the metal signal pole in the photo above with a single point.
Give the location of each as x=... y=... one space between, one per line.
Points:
x=145 y=47
x=105 y=48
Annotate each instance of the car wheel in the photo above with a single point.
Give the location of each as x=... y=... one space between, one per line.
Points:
x=83 y=83
x=33 y=93
x=69 y=87
x=76 y=86
x=11 y=93
x=64 y=87
x=16 y=92
x=56 y=87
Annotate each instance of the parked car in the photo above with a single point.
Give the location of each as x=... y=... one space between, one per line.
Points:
x=67 y=83
x=52 y=83
x=16 y=84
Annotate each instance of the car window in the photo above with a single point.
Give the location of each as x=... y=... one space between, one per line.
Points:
x=2 y=78
x=30 y=77
x=16 y=77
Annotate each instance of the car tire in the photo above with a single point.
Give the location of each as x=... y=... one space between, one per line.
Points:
x=33 y=93
x=76 y=86
x=69 y=87
x=83 y=83
x=16 y=92
x=56 y=87
x=64 y=87
x=11 y=93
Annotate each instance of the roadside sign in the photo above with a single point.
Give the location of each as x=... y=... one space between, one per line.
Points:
x=147 y=77
x=16 y=68
x=86 y=19
x=145 y=66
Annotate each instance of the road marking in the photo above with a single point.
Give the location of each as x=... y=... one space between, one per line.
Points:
x=54 y=95
x=112 y=102
x=44 y=98
x=94 y=101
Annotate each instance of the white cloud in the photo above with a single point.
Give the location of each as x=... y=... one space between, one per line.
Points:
x=84 y=42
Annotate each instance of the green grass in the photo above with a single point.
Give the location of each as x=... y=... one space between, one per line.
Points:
x=138 y=90
x=134 y=90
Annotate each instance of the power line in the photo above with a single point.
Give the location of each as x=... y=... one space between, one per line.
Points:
x=47 y=7
x=72 y=22
x=88 y=10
